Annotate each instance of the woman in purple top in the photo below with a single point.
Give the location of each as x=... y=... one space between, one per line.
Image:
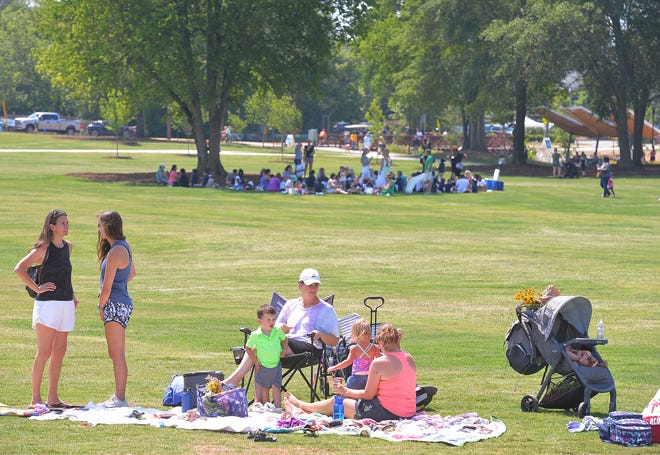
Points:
x=274 y=183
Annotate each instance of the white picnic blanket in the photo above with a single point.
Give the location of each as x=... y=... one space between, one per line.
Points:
x=453 y=430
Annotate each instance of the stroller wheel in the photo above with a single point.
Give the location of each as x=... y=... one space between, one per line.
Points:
x=529 y=403
x=583 y=409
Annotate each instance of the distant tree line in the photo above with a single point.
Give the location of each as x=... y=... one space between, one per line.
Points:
x=293 y=65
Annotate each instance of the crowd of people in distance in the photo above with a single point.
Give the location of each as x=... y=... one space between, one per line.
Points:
x=301 y=178
x=179 y=177
x=380 y=181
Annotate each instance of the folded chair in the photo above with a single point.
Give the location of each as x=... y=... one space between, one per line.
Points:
x=307 y=365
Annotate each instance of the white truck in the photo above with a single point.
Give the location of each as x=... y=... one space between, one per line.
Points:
x=48 y=121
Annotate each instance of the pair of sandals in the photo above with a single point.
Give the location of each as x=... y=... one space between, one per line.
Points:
x=55 y=406
x=260 y=436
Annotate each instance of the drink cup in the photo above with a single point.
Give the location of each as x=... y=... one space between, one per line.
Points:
x=336 y=383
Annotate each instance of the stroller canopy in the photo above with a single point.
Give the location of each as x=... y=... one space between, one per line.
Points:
x=576 y=310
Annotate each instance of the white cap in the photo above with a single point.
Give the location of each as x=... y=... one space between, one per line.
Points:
x=309 y=277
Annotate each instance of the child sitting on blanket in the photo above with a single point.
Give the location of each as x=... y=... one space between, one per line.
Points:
x=265 y=346
x=360 y=355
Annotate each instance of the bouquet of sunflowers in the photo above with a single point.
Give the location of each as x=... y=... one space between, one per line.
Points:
x=209 y=399
x=213 y=385
x=530 y=298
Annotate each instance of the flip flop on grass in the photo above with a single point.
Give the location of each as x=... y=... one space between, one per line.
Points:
x=60 y=405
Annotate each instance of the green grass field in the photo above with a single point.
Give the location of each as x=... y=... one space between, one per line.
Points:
x=447 y=266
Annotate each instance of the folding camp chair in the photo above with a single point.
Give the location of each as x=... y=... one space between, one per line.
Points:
x=309 y=366
x=340 y=351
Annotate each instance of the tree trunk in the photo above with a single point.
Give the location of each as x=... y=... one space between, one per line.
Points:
x=476 y=133
x=621 y=117
x=216 y=125
x=638 y=129
x=519 y=151
x=620 y=110
x=465 y=121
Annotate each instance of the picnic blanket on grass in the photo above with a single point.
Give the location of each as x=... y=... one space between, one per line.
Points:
x=453 y=430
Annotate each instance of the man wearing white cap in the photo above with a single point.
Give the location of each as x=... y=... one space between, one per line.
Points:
x=299 y=318
x=308 y=314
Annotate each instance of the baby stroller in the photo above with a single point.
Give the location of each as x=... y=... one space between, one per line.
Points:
x=542 y=337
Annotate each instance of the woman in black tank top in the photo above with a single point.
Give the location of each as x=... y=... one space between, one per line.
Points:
x=53 y=316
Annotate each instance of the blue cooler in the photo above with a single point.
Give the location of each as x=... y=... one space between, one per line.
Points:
x=495 y=185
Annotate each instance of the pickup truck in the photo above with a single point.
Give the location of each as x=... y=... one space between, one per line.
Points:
x=48 y=121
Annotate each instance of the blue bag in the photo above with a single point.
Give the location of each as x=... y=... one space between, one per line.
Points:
x=174 y=392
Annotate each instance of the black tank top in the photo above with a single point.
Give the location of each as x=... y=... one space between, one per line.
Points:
x=57 y=269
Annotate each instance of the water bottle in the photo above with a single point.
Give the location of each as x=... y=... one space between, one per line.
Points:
x=338 y=408
x=601 y=330
x=186 y=401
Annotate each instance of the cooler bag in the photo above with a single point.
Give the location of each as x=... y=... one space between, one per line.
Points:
x=625 y=428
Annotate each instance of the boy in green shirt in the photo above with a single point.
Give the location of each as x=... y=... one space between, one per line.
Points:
x=265 y=347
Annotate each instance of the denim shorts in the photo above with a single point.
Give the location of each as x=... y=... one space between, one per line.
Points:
x=117 y=312
x=357 y=381
x=372 y=409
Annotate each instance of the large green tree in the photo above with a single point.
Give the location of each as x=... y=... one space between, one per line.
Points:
x=22 y=88
x=204 y=55
x=618 y=58
x=537 y=35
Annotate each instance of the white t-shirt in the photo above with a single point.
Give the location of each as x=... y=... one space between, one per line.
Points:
x=303 y=320
x=462 y=185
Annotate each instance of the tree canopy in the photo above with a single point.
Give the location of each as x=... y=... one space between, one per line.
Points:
x=422 y=62
x=203 y=55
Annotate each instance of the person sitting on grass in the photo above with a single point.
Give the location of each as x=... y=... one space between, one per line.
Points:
x=162 y=178
x=265 y=346
x=390 y=390
x=360 y=355
x=173 y=177
x=388 y=188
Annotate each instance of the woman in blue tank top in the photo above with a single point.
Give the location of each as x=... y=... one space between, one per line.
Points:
x=115 y=304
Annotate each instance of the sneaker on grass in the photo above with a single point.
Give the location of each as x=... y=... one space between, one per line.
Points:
x=114 y=402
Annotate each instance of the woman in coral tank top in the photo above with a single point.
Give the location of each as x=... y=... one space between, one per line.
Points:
x=390 y=390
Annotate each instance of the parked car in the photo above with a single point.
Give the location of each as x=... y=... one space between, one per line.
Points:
x=7 y=124
x=494 y=128
x=102 y=128
x=48 y=121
